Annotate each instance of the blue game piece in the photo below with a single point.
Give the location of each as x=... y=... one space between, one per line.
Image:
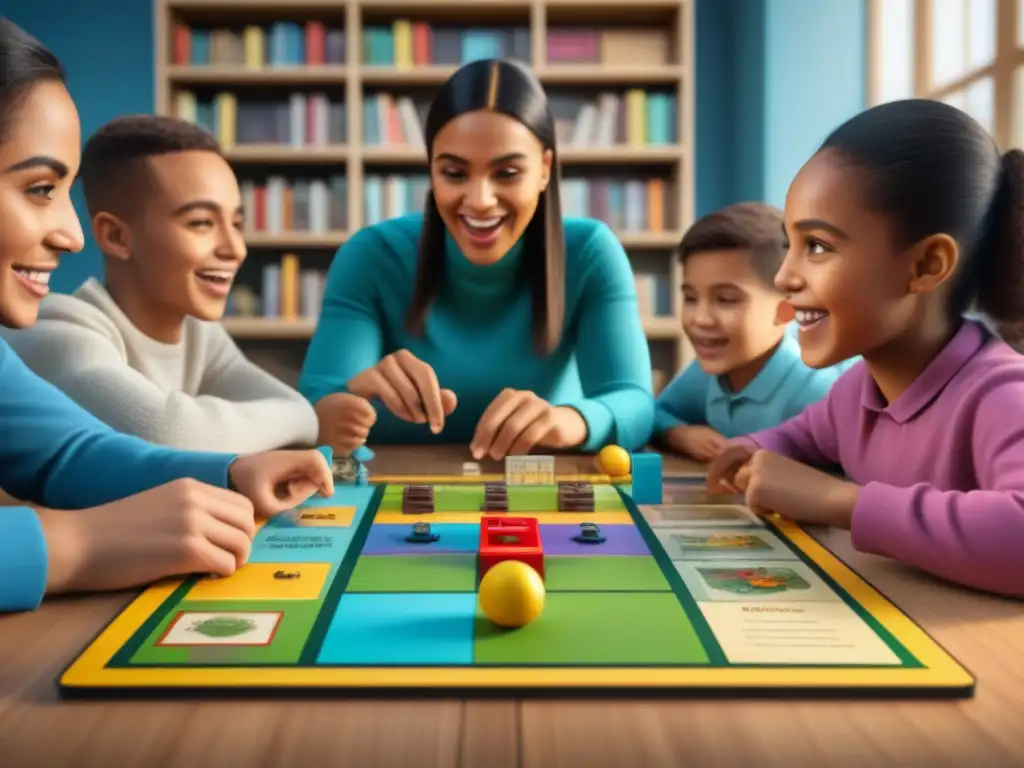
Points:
x=590 y=533
x=646 y=478
x=362 y=476
x=362 y=454
x=421 y=534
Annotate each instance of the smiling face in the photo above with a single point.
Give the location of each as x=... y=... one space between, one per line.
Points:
x=39 y=156
x=180 y=250
x=728 y=310
x=487 y=173
x=843 y=273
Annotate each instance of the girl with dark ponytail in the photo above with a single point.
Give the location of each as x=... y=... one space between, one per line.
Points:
x=906 y=220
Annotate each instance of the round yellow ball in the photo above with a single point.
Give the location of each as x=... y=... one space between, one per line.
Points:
x=614 y=461
x=511 y=594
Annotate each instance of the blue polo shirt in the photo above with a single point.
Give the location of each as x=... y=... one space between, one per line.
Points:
x=780 y=391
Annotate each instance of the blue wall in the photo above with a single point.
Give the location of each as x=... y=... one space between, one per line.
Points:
x=773 y=78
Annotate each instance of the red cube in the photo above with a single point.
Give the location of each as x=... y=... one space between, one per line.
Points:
x=510 y=538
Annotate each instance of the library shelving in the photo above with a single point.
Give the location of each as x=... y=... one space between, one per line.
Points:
x=319 y=106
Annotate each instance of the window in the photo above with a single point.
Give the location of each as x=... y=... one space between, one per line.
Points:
x=968 y=53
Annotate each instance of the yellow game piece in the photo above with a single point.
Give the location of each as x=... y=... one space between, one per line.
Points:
x=614 y=461
x=511 y=594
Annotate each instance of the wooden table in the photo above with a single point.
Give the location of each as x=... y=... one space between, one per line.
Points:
x=985 y=633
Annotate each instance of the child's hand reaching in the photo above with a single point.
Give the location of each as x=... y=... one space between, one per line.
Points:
x=278 y=480
x=176 y=529
x=697 y=441
x=345 y=421
x=771 y=482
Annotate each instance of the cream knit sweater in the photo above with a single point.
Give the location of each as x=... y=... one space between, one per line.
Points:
x=200 y=394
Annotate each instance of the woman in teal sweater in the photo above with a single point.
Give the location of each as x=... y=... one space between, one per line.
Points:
x=487 y=319
x=100 y=510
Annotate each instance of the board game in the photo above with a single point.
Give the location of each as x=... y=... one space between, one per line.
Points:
x=375 y=589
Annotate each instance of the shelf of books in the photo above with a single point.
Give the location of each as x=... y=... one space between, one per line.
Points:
x=319 y=105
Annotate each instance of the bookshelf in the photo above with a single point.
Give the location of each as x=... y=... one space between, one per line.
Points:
x=349 y=80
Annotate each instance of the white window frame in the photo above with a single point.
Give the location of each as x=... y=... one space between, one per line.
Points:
x=1003 y=69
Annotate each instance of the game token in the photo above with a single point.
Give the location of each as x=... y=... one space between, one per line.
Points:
x=418 y=499
x=590 y=533
x=613 y=461
x=421 y=534
x=575 y=497
x=512 y=594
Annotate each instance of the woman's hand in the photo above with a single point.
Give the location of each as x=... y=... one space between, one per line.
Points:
x=518 y=420
x=176 y=529
x=408 y=387
x=345 y=421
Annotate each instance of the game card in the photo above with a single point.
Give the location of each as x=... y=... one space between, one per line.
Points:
x=762 y=581
x=699 y=494
x=795 y=633
x=723 y=544
x=700 y=515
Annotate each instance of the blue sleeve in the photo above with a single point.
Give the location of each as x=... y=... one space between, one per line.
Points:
x=612 y=354
x=683 y=401
x=23 y=560
x=56 y=454
x=348 y=337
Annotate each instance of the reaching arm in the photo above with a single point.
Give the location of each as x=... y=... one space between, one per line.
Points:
x=56 y=454
x=974 y=538
x=810 y=436
x=683 y=402
x=23 y=560
x=612 y=353
x=348 y=337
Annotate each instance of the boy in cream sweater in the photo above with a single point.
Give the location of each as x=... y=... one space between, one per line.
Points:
x=145 y=352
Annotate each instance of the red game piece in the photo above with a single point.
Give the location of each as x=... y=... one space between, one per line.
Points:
x=510 y=538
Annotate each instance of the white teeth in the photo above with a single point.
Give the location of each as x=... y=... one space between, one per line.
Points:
x=810 y=316
x=42 y=278
x=483 y=223
x=216 y=274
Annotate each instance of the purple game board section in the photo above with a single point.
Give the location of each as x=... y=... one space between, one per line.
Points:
x=620 y=540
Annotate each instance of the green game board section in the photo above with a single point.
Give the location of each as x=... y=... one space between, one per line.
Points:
x=521 y=498
x=596 y=628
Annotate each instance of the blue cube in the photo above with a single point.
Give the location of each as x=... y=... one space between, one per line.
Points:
x=646 y=478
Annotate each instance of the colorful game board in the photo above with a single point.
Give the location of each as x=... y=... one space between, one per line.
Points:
x=690 y=595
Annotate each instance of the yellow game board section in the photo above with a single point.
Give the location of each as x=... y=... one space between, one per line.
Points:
x=257 y=581
x=543 y=518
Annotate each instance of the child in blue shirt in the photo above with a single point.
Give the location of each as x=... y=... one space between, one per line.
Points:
x=748 y=374
x=98 y=509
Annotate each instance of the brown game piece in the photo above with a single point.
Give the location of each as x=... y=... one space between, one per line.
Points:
x=417 y=499
x=495 y=497
x=575 y=497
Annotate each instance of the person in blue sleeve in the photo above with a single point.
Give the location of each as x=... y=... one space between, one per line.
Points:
x=487 y=319
x=96 y=509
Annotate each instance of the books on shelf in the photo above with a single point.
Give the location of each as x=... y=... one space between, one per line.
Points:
x=279 y=44
x=634 y=118
x=280 y=205
x=393 y=121
x=301 y=120
x=391 y=195
x=286 y=292
x=625 y=205
x=405 y=43
x=632 y=46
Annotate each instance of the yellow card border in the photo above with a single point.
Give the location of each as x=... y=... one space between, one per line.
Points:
x=940 y=669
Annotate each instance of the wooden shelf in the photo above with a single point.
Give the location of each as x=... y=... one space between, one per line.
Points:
x=348 y=82
x=277 y=328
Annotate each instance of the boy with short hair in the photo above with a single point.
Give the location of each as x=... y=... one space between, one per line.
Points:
x=145 y=351
x=748 y=374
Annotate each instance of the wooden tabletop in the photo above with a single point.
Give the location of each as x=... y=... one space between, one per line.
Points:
x=985 y=633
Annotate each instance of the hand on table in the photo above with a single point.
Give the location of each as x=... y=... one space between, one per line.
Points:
x=179 y=528
x=772 y=482
x=278 y=480
x=408 y=387
x=518 y=420
x=697 y=441
x=345 y=421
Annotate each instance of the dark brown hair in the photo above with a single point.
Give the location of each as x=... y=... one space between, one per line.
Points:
x=933 y=169
x=753 y=227
x=511 y=89
x=113 y=155
x=24 y=62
